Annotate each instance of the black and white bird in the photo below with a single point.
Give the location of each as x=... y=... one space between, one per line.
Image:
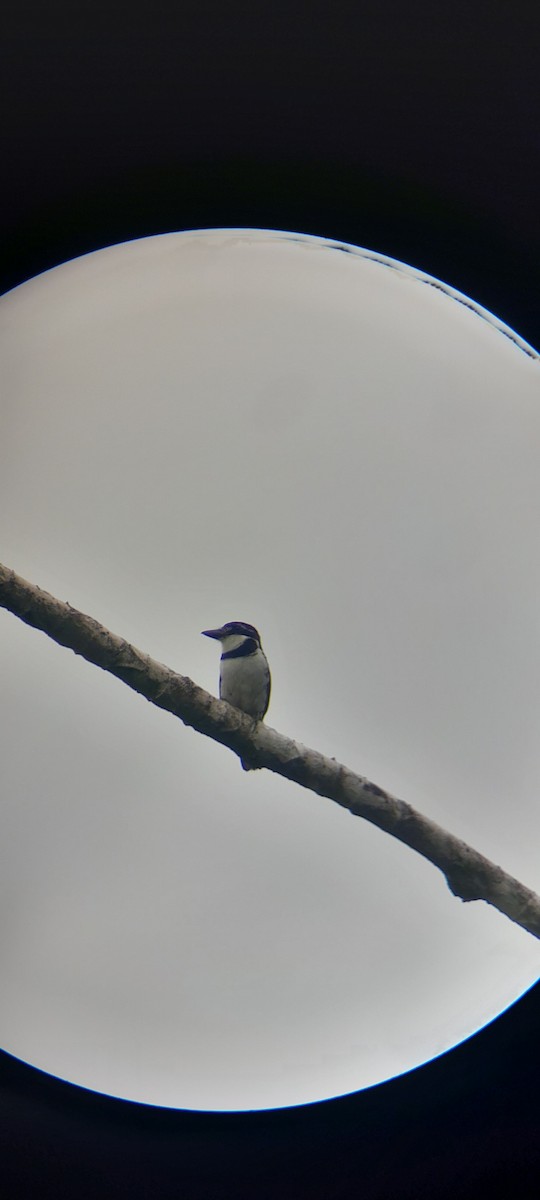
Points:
x=244 y=676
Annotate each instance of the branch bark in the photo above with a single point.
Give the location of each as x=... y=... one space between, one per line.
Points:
x=469 y=875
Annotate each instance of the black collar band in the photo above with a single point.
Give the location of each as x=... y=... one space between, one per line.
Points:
x=247 y=647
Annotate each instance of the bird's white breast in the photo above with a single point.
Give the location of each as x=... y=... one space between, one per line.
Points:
x=244 y=683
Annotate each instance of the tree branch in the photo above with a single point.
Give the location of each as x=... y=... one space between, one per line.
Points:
x=469 y=875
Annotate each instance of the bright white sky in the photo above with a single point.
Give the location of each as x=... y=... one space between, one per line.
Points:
x=241 y=425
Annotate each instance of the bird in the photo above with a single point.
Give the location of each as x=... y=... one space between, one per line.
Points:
x=244 y=676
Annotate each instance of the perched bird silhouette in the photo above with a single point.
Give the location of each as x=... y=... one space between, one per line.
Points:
x=244 y=676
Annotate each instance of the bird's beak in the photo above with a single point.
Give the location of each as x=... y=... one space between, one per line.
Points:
x=214 y=633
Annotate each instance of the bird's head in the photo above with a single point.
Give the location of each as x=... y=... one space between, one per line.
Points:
x=233 y=633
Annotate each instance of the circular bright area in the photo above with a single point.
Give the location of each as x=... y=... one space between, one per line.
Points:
x=265 y=427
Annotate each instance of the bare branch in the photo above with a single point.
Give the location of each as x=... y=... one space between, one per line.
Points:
x=469 y=875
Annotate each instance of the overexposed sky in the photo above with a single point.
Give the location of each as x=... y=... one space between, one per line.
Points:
x=247 y=425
